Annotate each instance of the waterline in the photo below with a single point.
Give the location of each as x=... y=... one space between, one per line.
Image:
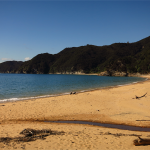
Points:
x=15 y=87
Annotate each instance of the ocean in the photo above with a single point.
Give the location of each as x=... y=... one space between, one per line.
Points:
x=15 y=87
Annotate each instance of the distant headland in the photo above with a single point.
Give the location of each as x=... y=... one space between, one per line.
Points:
x=118 y=59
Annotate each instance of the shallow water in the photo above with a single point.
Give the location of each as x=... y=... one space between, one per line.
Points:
x=28 y=86
x=116 y=126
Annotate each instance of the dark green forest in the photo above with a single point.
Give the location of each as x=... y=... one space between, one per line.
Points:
x=121 y=57
x=10 y=66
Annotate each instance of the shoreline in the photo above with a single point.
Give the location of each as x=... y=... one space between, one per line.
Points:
x=147 y=78
x=61 y=94
x=113 y=105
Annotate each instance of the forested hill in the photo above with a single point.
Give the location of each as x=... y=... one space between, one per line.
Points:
x=121 y=57
x=10 y=66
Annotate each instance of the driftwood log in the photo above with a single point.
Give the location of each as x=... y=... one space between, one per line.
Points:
x=31 y=135
x=137 y=97
x=141 y=141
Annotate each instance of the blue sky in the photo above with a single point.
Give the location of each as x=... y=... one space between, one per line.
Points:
x=28 y=28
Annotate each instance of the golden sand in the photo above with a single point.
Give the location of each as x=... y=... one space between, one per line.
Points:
x=116 y=105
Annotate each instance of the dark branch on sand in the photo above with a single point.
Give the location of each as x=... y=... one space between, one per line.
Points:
x=31 y=135
x=137 y=97
x=141 y=141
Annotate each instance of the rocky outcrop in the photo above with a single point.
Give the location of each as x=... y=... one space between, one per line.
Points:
x=104 y=73
x=70 y=72
x=113 y=73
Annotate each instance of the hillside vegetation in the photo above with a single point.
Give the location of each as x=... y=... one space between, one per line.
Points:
x=10 y=66
x=121 y=57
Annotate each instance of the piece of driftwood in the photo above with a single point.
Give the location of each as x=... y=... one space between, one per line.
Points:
x=119 y=134
x=141 y=141
x=31 y=135
x=32 y=132
x=137 y=97
x=142 y=120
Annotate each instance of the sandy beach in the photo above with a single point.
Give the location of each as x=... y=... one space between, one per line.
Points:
x=117 y=105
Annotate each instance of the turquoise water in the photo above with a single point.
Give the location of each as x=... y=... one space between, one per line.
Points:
x=26 y=86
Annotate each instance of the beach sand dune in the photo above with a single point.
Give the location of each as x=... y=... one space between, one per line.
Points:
x=116 y=105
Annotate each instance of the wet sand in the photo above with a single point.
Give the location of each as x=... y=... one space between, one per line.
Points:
x=116 y=105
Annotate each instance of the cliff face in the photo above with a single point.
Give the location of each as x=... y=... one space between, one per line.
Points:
x=117 y=59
